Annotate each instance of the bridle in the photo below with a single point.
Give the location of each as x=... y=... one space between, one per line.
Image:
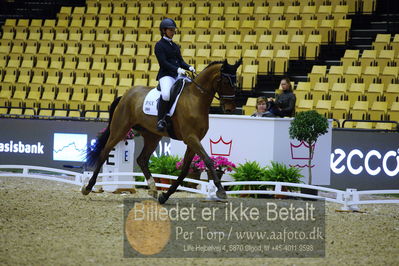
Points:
x=230 y=77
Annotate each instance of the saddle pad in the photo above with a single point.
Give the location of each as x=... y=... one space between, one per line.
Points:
x=150 y=105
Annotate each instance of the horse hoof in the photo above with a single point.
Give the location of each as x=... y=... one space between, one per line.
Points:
x=153 y=193
x=221 y=194
x=162 y=198
x=85 y=191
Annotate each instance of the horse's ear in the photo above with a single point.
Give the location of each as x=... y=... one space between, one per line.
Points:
x=238 y=63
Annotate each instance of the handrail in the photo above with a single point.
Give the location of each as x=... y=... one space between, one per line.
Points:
x=350 y=199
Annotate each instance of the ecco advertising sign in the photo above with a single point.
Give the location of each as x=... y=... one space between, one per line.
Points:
x=364 y=160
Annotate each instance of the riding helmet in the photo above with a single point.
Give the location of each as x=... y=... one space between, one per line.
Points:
x=167 y=23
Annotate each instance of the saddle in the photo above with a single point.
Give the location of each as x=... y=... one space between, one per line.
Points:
x=150 y=104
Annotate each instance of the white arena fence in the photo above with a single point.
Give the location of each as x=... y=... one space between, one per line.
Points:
x=349 y=199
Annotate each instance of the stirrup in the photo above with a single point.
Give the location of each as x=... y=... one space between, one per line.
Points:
x=161 y=125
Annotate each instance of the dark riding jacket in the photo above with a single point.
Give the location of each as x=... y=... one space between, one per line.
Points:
x=285 y=101
x=169 y=58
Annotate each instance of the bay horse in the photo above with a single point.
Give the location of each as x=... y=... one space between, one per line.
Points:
x=190 y=124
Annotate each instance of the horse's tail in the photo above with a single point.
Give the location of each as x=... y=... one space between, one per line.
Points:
x=94 y=151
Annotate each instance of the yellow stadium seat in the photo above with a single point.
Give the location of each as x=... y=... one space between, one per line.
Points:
x=350 y=57
x=34 y=33
x=335 y=74
x=392 y=93
x=317 y=74
x=393 y=112
x=304 y=105
x=104 y=21
x=297 y=46
x=38 y=76
x=340 y=110
x=320 y=91
x=292 y=12
x=18 y=47
x=338 y=90
x=326 y=30
x=367 y=58
x=24 y=76
x=342 y=30
x=21 y=33
x=356 y=92
x=312 y=46
x=370 y=75
x=389 y=74
x=5 y=46
x=265 y=59
x=385 y=126
x=280 y=41
x=72 y=48
x=302 y=90
x=309 y=26
x=31 y=47
x=84 y=62
x=352 y=74
x=385 y=57
x=324 y=107
x=81 y=77
x=10 y=75
x=6 y=91
x=308 y=11
x=359 y=110
x=67 y=77
x=63 y=93
x=381 y=41
x=70 y=62
x=378 y=110
x=281 y=61
x=217 y=24
x=14 y=61
x=129 y=49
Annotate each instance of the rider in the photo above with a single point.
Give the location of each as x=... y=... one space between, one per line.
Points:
x=171 y=65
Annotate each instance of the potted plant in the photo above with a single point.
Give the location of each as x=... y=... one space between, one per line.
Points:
x=308 y=127
x=222 y=165
x=279 y=172
x=166 y=165
x=249 y=171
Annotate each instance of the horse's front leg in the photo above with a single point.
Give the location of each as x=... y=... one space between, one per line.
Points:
x=195 y=144
x=188 y=157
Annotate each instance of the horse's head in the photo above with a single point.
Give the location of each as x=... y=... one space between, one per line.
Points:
x=227 y=85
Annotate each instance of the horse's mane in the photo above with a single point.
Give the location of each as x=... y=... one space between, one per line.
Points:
x=214 y=63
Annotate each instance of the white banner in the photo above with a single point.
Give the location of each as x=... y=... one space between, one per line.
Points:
x=243 y=138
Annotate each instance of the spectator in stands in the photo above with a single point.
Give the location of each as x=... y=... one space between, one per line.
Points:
x=171 y=65
x=284 y=103
x=260 y=107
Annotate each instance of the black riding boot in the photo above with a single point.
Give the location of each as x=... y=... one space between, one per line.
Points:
x=163 y=108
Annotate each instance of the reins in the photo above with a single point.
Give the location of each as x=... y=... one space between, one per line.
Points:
x=202 y=90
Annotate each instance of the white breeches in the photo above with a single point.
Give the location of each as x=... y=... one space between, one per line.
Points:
x=166 y=84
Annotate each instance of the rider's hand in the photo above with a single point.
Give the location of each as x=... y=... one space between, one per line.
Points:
x=181 y=71
x=192 y=69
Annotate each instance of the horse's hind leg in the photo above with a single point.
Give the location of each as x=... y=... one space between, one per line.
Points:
x=117 y=133
x=150 y=143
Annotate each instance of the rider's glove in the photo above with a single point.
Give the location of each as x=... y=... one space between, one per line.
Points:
x=192 y=69
x=181 y=71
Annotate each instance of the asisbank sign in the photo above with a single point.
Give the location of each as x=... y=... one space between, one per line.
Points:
x=388 y=163
x=364 y=160
x=20 y=147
